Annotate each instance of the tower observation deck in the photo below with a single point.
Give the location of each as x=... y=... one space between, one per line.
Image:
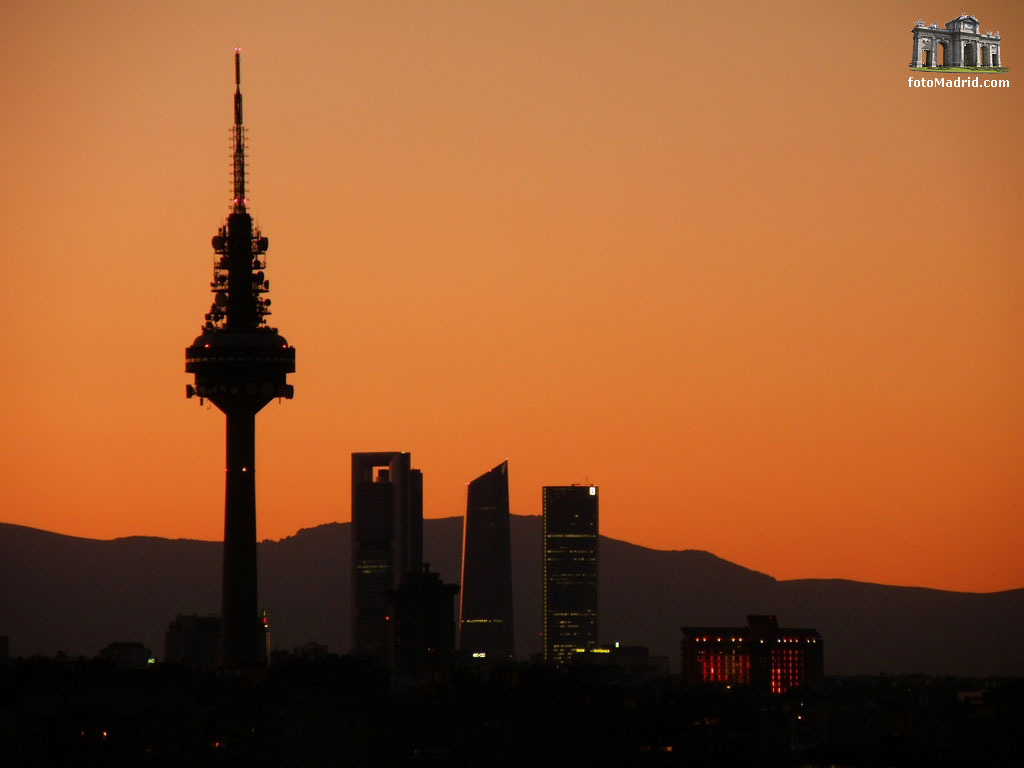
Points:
x=240 y=365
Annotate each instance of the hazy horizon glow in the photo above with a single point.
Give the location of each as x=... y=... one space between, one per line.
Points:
x=764 y=295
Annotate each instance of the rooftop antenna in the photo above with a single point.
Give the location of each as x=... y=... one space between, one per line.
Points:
x=238 y=141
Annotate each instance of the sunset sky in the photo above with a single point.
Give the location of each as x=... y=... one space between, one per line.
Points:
x=716 y=258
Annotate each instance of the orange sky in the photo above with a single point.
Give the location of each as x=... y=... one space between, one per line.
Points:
x=714 y=257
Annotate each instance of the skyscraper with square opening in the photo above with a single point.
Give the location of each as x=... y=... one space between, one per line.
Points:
x=570 y=570
x=387 y=539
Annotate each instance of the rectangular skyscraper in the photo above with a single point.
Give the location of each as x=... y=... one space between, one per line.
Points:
x=485 y=610
x=387 y=539
x=570 y=570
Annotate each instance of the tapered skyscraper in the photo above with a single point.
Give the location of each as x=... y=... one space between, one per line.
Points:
x=240 y=365
x=485 y=609
x=570 y=570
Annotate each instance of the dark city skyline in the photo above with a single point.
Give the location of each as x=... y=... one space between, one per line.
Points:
x=62 y=598
x=505 y=229
x=574 y=235
x=240 y=365
x=485 y=601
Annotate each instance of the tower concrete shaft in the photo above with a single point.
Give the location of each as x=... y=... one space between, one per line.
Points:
x=242 y=641
x=240 y=364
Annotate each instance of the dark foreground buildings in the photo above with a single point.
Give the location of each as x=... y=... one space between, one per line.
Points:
x=485 y=610
x=570 y=570
x=240 y=365
x=340 y=711
x=193 y=642
x=761 y=654
x=420 y=627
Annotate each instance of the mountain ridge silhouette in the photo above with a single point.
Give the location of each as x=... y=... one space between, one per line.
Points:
x=63 y=593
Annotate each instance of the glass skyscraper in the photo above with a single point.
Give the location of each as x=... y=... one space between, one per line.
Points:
x=485 y=610
x=570 y=570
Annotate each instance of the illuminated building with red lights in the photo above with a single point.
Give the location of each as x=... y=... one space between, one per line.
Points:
x=762 y=654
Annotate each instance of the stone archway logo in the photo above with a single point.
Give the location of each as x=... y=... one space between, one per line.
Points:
x=961 y=45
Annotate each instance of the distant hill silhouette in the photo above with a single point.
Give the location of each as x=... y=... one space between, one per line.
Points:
x=77 y=595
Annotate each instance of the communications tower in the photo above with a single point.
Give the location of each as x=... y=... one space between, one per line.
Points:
x=240 y=365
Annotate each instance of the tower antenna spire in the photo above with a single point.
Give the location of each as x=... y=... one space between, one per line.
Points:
x=238 y=141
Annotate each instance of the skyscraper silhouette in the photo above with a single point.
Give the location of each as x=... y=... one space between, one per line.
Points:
x=570 y=570
x=387 y=539
x=240 y=365
x=485 y=609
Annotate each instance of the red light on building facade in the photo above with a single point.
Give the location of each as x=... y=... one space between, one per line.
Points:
x=760 y=654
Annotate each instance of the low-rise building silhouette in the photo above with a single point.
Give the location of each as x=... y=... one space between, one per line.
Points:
x=193 y=642
x=127 y=655
x=421 y=626
x=634 y=661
